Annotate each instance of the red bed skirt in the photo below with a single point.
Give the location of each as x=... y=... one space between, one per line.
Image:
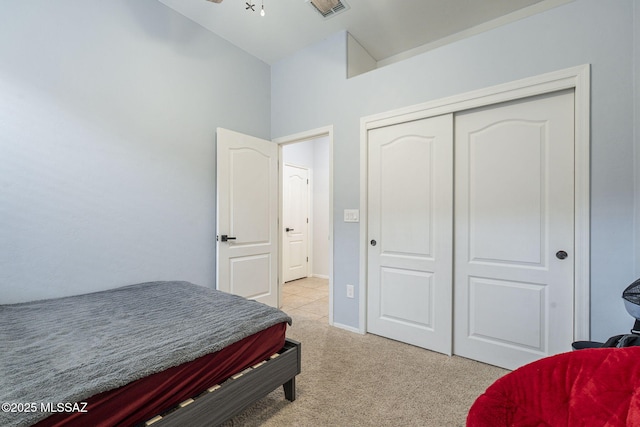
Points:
x=147 y=397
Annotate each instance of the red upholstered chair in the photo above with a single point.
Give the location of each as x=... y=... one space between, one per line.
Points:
x=592 y=387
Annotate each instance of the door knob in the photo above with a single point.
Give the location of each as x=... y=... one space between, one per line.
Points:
x=224 y=238
x=561 y=255
x=288 y=229
x=373 y=243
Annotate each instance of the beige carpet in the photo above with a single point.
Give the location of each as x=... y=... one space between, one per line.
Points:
x=349 y=379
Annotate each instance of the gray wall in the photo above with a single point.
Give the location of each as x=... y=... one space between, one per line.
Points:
x=310 y=90
x=108 y=111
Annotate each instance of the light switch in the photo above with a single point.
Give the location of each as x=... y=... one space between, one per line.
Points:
x=351 y=215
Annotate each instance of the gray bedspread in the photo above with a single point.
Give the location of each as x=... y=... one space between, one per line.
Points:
x=68 y=349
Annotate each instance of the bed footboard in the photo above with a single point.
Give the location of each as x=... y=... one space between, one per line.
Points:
x=222 y=402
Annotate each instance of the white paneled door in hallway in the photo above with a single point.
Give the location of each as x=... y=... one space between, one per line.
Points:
x=295 y=220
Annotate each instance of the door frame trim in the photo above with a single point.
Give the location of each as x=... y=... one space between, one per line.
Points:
x=326 y=131
x=577 y=78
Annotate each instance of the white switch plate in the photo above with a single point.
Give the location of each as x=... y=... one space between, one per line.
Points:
x=352 y=215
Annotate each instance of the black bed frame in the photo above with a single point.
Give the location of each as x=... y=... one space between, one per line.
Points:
x=221 y=403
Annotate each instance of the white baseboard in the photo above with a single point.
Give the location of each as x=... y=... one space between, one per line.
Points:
x=348 y=328
x=320 y=276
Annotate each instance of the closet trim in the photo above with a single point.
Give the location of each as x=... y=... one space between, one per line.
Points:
x=577 y=78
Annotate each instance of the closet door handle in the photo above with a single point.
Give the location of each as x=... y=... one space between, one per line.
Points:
x=225 y=238
x=561 y=254
x=288 y=229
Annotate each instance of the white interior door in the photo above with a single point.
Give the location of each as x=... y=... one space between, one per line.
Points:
x=513 y=216
x=247 y=188
x=295 y=221
x=410 y=216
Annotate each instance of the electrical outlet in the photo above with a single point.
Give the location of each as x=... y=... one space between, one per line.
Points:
x=350 y=291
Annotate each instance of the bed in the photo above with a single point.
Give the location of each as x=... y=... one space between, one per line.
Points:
x=157 y=353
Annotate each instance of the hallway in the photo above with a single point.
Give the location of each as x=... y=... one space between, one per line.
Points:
x=307 y=298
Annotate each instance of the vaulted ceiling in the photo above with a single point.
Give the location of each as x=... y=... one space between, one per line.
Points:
x=387 y=29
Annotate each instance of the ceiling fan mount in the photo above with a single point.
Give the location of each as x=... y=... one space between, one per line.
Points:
x=323 y=6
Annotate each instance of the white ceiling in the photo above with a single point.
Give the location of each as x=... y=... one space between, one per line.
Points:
x=387 y=29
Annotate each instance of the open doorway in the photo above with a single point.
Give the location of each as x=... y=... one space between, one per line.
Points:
x=306 y=228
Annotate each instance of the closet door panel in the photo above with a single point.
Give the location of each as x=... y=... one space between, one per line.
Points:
x=410 y=209
x=514 y=186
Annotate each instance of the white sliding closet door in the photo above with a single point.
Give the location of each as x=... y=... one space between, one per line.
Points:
x=410 y=216
x=514 y=225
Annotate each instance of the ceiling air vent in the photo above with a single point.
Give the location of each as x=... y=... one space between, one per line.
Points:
x=329 y=8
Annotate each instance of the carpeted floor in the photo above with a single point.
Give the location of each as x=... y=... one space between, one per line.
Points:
x=349 y=379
